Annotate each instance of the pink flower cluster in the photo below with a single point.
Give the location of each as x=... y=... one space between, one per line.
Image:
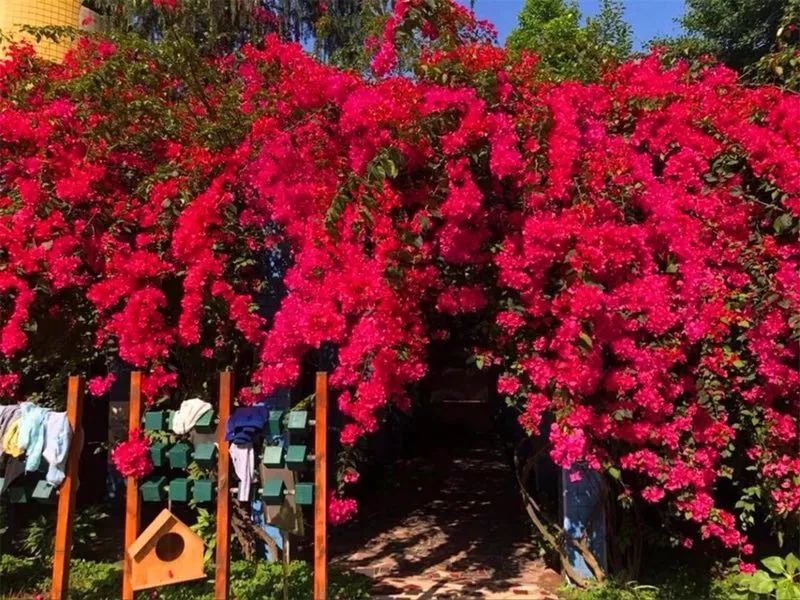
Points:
x=132 y=457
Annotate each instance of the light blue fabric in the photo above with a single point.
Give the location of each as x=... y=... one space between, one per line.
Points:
x=31 y=433
x=57 y=436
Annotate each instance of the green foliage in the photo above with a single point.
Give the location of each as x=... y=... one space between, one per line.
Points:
x=778 y=580
x=206 y=528
x=335 y=30
x=568 y=50
x=249 y=581
x=781 y=66
x=741 y=32
x=39 y=535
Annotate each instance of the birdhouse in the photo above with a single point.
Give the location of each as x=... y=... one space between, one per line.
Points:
x=154 y=420
x=44 y=492
x=152 y=489
x=297 y=422
x=158 y=454
x=203 y=491
x=205 y=454
x=179 y=456
x=304 y=494
x=275 y=420
x=206 y=422
x=273 y=456
x=166 y=552
x=179 y=489
x=273 y=492
x=296 y=457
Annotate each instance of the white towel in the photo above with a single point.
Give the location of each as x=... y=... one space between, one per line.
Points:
x=243 y=464
x=188 y=414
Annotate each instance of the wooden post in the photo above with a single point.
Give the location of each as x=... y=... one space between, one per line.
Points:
x=321 y=489
x=133 y=502
x=223 y=559
x=66 y=496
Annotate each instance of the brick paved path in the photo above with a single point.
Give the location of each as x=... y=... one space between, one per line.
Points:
x=447 y=525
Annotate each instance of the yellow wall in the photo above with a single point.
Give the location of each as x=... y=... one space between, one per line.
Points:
x=14 y=13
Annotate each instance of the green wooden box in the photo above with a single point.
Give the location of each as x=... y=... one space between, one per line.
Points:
x=179 y=489
x=179 y=455
x=152 y=489
x=18 y=494
x=205 y=454
x=304 y=494
x=170 y=419
x=203 y=491
x=275 y=422
x=273 y=492
x=273 y=456
x=158 y=454
x=297 y=421
x=154 y=420
x=296 y=457
x=44 y=492
x=205 y=423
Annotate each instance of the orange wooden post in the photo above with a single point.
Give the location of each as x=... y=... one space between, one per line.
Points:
x=223 y=558
x=133 y=502
x=321 y=491
x=66 y=497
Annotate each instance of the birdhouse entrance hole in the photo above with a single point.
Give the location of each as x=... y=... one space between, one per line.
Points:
x=169 y=547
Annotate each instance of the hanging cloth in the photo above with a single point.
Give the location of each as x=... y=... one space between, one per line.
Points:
x=57 y=437
x=11 y=440
x=188 y=414
x=31 y=433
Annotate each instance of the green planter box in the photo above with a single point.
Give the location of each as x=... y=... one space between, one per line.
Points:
x=275 y=422
x=18 y=494
x=158 y=454
x=273 y=491
x=154 y=420
x=44 y=492
x=179 y=456
x=152 y=489
x=205 y=423
x=170 y=419
x=296 y=457
x=273 y=456
x=203 y=491
x=297 y=421
x=304 y=494
x=205 y=454
x=179 y=489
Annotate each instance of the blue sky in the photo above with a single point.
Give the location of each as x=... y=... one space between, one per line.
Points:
x=649 y=18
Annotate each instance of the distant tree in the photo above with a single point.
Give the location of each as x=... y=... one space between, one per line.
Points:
x=567 y=48
x=332 y=29
x=740 y=32
x=781 y=66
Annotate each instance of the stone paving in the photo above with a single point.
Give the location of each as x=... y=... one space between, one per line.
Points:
x=447 y=525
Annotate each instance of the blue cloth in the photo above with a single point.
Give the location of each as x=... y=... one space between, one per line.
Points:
x=245 y=424
x=31 y=433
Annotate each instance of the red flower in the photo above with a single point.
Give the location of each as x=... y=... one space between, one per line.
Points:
x=132 y=457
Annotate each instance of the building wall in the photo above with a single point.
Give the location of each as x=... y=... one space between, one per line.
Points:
x=38 y=13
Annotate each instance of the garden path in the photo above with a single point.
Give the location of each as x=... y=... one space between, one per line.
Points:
x=447 y=524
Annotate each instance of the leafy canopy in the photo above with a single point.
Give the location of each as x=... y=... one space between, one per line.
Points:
x=568 y=50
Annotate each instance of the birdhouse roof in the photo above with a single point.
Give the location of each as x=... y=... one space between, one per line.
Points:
x=165 y=521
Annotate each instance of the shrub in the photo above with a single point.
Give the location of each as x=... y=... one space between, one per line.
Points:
x=249 y=581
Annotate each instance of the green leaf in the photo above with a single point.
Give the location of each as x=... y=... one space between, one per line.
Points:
x=774 y=564
x=787 y=590
x=792 y=563
x=614 y=472
x=760 y=583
